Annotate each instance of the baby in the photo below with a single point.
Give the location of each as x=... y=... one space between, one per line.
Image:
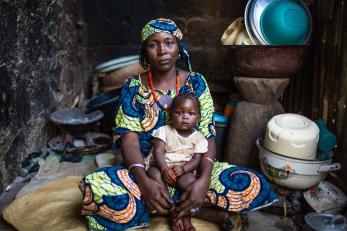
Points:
x=177 y=150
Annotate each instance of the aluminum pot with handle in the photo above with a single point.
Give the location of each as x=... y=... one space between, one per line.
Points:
x=293 y=173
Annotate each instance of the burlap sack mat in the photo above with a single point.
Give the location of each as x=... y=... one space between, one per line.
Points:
x=57 y=206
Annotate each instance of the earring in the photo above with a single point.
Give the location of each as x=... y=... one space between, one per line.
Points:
x=146 y=65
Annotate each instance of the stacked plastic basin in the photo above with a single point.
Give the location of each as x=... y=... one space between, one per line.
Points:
x=278 y=22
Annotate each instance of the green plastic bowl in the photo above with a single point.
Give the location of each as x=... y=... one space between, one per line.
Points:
x=285 y=23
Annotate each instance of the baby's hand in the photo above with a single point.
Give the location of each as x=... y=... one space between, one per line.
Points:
x=169 y=176
x=178 y=170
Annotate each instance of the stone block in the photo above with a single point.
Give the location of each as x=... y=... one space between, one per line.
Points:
x=247 y=124
x=261 y=90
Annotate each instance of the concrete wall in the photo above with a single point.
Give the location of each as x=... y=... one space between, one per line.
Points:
x=41 y=68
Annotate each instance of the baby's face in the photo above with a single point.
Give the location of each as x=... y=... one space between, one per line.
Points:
x=185 y=115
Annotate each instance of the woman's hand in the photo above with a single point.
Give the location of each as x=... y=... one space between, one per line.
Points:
x=193 y=197
x=155 y=197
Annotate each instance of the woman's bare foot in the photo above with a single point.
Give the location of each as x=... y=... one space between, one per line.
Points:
x=177 y=225
x=187 y=223
x=228 y=220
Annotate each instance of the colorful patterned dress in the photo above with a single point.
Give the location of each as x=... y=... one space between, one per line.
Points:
x=111 y=198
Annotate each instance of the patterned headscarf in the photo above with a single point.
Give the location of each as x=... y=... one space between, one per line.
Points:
x=160 y=25
x=167 y=26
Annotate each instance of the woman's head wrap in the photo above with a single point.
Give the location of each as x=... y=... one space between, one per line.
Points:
x=167 y=26
x=160 y=25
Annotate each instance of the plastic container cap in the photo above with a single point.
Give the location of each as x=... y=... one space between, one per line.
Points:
x=327 y=140
x=220 y=119
x=285 y=23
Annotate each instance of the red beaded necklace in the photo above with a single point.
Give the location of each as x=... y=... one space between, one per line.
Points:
x=165 y=99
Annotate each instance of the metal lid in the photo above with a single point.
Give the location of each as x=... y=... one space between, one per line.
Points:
x=326 y=222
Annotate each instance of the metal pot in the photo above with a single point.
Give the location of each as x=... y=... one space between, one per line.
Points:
x=75 y=121
x=326 y=222
x=292 y=172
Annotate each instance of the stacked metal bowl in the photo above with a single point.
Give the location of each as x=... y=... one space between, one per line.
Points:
x=278 y=22
x=288 y=153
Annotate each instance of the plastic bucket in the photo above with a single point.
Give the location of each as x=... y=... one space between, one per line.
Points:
x=221 y=124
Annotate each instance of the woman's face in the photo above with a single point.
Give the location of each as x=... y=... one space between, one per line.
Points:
x=185 y=115
x=162 y=51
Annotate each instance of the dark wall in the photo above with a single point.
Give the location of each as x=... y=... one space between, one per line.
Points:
x=41 y=68
x=341 y=104
x=113 y=28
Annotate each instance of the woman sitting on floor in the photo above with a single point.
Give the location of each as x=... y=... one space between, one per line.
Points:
x=120 y=197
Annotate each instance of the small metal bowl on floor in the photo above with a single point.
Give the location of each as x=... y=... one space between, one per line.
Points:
x=75 y=121
x=102 y=142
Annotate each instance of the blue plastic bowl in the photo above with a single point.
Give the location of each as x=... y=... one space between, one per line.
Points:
x=285 y=23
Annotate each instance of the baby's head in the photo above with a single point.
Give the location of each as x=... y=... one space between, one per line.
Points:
x=185 y=112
